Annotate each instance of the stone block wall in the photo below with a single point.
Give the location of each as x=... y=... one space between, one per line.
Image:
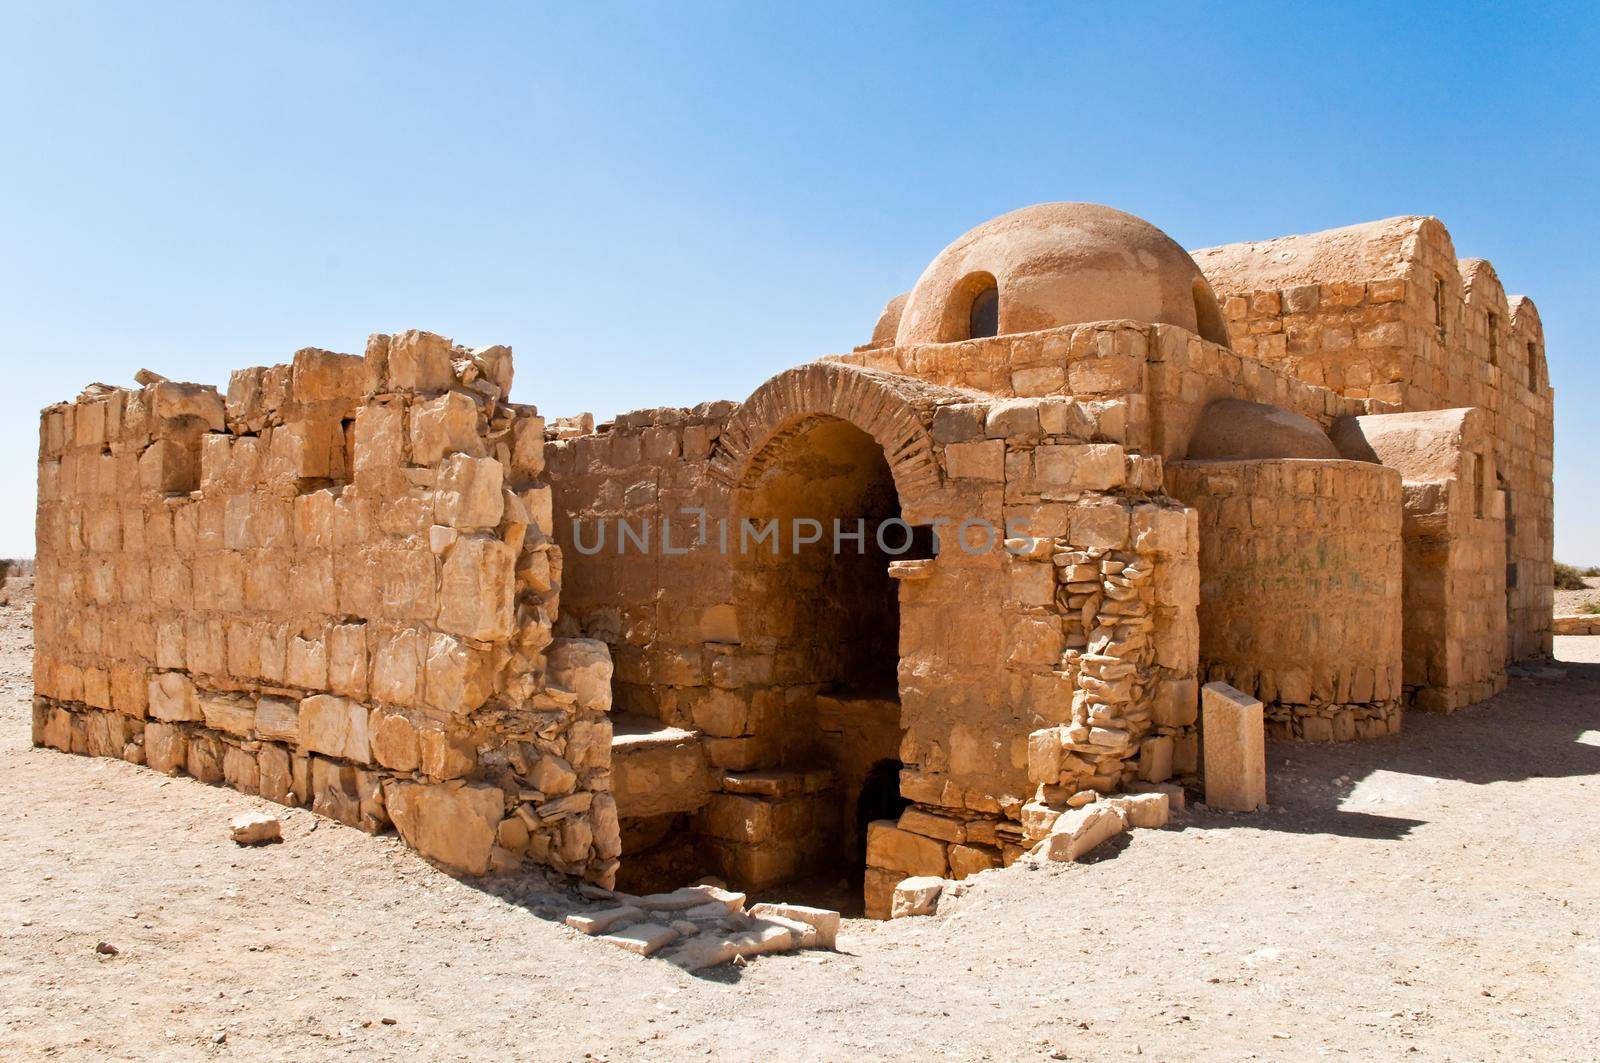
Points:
x=1422 y=330
x=1300 y=589
x=334 y=587
x=660 y=594
x=1455 y=547
x=991 y=645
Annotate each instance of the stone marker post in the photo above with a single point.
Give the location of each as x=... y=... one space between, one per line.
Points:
x=1234 y=744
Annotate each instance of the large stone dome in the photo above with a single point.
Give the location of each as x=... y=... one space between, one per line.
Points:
x=1058 y=264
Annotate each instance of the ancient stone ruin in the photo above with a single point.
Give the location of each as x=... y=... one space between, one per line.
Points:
x=901 y=612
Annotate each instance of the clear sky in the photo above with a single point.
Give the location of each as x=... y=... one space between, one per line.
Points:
x=666 y=203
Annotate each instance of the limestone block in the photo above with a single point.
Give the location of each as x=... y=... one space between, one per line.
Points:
x=607 y=827
x=255 y=828
x=379 y=442
x=1013 y=419
x=240 y=771
x=553 y=776
x=445 y=755
x=205 y=758
x=306 y=663
x=1149 y=811
x=419 y=361
x=277 y=719
x=1176 y=703
x=540 y=504
x=1078 y=831
x=527 y=447
x=890 y=848
x=878 y=892
x=172 y=697
x=1234 y=748
x=918 y=895
x=229 y=713
x=468 y=493
x=335 y=791
x=166 y=747
x=976 y=461
x=1032 y=583
x=130 y=690
x=453 y=823
x=475 y=593
x=459 y=676
x=323 y=376
x=445 y=425
x=966 y=860
x=306 y=449
x=170 y=402
x=824 y=921
x=931 y=825
x=394 y=740
x=598 y=922
x=395 y=672
x=1155 y=759
x=1078 y=467
x=958 y=423
x=336 y=726
x=643 y=939
x=347 y=660
x=1100 y=525
x=582 y=666
x=274 y=768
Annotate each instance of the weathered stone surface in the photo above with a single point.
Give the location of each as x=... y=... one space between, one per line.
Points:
x=172 y=698
x=1235 y=749
x=475 y=591
x=822 y=920
x=918 y=895
x=1148 y=811
x=1079 y=831
x=894 y=849
x=600 y=921
x=643 y=939
x=335 y=726
x=255 y=828
x=453 y=823
x=583 y=666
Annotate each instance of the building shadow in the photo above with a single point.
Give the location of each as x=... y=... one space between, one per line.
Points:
x=1533 y=729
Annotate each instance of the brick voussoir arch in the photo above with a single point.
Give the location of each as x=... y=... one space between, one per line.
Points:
x=896 y=411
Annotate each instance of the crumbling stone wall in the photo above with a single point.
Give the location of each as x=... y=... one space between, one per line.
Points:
x=336 y=588
x=1300 y=581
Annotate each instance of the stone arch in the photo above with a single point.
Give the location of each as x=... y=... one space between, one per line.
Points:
x=896 y=411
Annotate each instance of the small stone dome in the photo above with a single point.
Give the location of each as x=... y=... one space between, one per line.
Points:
x=1058 y=264
x=1233 y=429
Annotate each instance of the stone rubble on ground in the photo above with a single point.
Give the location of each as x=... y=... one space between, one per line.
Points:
x=704 y=925
x=255 y=828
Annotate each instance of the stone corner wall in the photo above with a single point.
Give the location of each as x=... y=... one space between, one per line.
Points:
x=334 y=587
x=1300 y=589
x=1440 y=334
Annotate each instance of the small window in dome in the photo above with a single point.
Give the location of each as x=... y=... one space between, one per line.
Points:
x=984 y=317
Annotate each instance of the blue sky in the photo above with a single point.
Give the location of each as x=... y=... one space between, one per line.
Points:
x=660 y=204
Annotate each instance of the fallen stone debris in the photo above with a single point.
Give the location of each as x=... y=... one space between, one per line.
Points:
x=705 y=925
x=255 y=828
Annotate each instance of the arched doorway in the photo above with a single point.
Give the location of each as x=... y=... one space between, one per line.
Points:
x=819 y=523
x=819 y=642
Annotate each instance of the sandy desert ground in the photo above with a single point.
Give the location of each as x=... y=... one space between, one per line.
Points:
x=1428 y=896
x=1569 y=602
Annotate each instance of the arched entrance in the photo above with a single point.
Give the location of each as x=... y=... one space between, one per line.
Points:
x=827 y=467
x=819 y=524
